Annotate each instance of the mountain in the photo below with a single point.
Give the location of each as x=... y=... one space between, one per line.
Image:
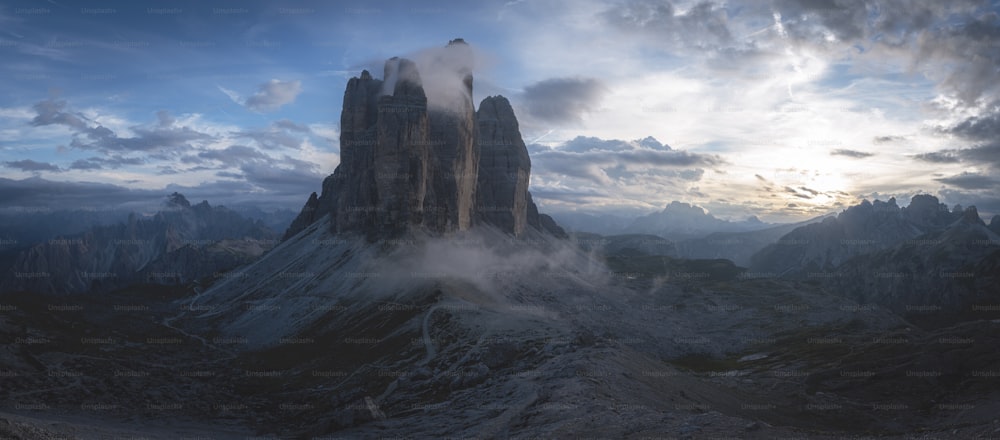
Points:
x=935 y=277
x=863 y=228
x=180 y=243
x=737 y=247
x=680 y=221
x=422 y=295
x=407 y=165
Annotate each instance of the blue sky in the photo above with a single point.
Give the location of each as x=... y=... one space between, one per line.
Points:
x=783 y=109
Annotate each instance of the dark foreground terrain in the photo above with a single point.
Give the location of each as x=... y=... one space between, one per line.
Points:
x=674 y=349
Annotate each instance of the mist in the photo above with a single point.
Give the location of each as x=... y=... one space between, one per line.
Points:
x=441 y=71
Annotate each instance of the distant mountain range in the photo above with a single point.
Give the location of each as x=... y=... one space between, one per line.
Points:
x=181 y=243
x=738 y=247
x=680 y=221
x=864 y=228
x=677 y=221
x=922 y=261
x=931 y=277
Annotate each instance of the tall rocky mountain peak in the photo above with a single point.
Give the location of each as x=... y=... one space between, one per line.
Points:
x=406 y=165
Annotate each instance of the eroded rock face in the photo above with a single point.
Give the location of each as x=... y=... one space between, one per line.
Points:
x=504 y=167
x=438 y=166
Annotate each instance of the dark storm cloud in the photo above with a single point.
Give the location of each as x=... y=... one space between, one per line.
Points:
x=986 y=154
x=981 y=128
x=563 y=100
x=32 y=166
x=967 y=180
x=851 y=153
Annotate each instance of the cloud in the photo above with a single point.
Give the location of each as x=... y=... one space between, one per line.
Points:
x=631 y=175
x=100 y=163
x=988 y=154
x=967 y=180
x=234 y=155
x=52 y=112
x=563 y=100
x=276 y=136
x=32 y=166
x=270 y=96
x=887 y=139
x=596 y=159
x=703 y=26
x=981 y=128
x=89 y=135
x=274 y=94
x=947 y=156
x=851 y=153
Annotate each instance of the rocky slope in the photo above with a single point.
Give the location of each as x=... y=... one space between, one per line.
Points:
x=863 y=228
x=936 y=277
x=178 y=244
x=409 y=164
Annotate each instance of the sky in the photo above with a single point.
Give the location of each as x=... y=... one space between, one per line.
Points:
x=783 y=109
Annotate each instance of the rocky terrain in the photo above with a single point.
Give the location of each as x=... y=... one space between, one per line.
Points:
x=864 y=228
x=942 y=276
x=180 y=243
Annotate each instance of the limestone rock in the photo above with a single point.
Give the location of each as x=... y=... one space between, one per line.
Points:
x=436 y=166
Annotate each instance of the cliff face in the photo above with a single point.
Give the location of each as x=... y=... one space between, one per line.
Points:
x=407 y=163
x=504 y=167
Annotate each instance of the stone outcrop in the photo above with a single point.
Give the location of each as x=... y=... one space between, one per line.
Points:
x=504 y=167
x=409 y=163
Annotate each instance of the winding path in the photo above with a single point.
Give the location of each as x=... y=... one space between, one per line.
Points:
x=428 y=343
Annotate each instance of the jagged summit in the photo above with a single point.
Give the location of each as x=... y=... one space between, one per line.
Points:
x=177 y=200
x=412 y=157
